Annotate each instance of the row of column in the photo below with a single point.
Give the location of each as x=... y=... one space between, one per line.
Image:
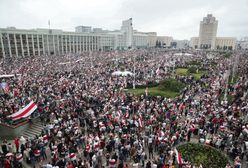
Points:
x=62 y=44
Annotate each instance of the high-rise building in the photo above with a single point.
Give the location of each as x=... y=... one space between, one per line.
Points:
x=207 y=36
x=127 y=28
x=207 y=33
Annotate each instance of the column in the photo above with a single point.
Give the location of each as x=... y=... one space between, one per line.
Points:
x=58 y=44
x=38 y=42
x=33 y=45
x=1 y=40
x=92 y=43
x=96 y=39
x=80 y=39
x=22 y=45
x=43 y=45
x=27 y=45
x=87 y=43
x=70 y=42
x=62 y=45
x=48 y=48
x=77 y=38
x=83 y=43
x=73 y=38
x=10 y=52
x=66 y=44
x=54 y=48
x=15 y=45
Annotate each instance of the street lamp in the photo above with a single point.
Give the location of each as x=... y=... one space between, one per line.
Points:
x=134 y=69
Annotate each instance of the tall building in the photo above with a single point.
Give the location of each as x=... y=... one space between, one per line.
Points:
x=207 y=33
x=207 y=36
x=127 y=28
x=35 y=42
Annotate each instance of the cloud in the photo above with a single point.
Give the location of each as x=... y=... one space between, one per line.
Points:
x=177 y=18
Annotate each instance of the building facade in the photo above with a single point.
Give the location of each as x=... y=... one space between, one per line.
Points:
x=35 y=42
x=165 y=41
x=225 y=43
x=83 y=29
x=207 y=36
x=207 y=33
x=127 y=29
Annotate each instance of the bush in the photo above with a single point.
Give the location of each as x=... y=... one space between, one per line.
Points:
x=227 y=55
x=201 y=154
x=194 y=63
x=192 y=69
x=172 y=85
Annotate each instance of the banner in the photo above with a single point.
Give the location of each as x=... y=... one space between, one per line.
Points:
x=25 y=112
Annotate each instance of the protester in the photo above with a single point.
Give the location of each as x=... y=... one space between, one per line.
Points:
x=91 y=121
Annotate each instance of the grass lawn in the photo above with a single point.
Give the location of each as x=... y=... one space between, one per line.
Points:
x=184 y=72
x=154 y=91
x=235 y=79
x=169 y=88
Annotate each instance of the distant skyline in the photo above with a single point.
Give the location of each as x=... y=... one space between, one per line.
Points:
x=177 y=18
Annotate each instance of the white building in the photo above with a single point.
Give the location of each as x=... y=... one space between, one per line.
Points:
x=225 y=43
x=127 y=29
x=242 y=43
x=207 y=36
x=165 y=41
x=180 y=44
x=35 y=42
x=83 y=29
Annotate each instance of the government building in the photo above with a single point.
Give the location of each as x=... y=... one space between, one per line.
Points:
x=207 y=36
x=35 y=42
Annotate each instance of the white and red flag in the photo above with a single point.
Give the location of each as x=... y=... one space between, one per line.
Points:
x=140 y=120
x=72 y=156
x=126 y=115
x=25 y=112
x=179 y=157
x=19 y=157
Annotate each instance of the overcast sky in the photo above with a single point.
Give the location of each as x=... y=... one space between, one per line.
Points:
x=177 y=18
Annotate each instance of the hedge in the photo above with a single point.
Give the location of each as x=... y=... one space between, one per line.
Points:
x=207 y=156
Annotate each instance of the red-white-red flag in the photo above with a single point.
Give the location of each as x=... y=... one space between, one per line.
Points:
x=179 y=157
x=72 y=156
x=126 y=115
x=140 y=121
x=25 y=112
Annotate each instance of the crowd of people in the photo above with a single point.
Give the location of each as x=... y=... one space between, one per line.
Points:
x=91 y=120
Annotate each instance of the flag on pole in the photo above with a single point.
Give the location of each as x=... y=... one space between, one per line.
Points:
x=179 y=157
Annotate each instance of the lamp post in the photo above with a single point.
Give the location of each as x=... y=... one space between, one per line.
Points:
x=134 y=69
